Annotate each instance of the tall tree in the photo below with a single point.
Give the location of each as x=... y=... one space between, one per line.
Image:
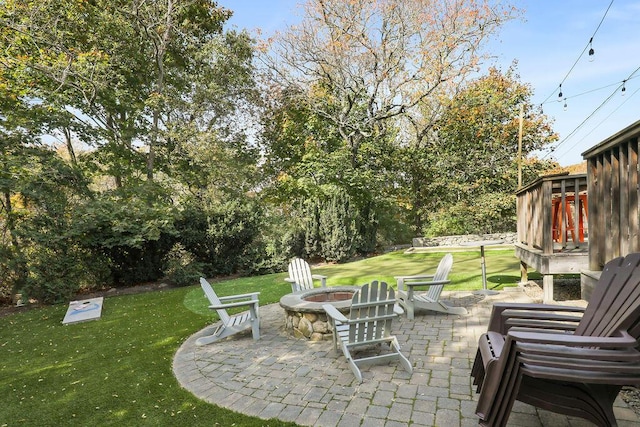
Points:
x=475 y=172
x=150 y=91
x=374 y=73
x=113 y=66
x=361 y=63
x=310 y=167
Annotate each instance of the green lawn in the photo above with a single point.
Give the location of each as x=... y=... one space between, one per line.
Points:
x=117 y=370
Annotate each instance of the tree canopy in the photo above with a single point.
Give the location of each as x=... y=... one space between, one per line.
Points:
x=360 y=64
x=145 y=140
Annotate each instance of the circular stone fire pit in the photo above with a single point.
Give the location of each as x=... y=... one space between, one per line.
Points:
x=304 y=315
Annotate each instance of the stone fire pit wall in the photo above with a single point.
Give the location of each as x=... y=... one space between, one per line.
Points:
x=304 y=316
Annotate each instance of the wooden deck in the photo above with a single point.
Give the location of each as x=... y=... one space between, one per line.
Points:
x=568 y=261
x=553 y=228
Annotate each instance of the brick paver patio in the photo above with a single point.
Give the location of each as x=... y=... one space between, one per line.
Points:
x=310 y=384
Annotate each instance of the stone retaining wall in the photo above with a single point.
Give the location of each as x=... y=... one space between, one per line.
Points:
x=508 y=238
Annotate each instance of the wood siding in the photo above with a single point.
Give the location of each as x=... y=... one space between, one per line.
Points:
x=613 y=177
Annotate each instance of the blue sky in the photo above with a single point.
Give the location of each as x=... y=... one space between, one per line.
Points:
x=546 y=43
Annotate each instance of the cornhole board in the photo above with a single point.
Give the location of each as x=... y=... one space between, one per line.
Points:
x=83 y=310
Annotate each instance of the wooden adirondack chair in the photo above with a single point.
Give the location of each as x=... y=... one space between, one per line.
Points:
x=551 y=357
x=373 y=309
x=300 y=276
x=410 y=299
x=231 y=324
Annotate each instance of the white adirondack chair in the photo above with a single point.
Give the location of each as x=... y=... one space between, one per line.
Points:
x=231 y=324
x=300 y=276
x=373 y=309
x=411 y=300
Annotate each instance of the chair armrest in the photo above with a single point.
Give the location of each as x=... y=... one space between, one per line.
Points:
x=579 y=358
x=252 y=295
x=433 y=282
x=247 y=303
x=526 y=336
x=540 y=320
x=497 y=322
x=334 y=313
x=588 y=354
x=537 y=325
x=295 y=287
x=417 y=277
x=411 y=285
x=415 y=281
x=323 y=279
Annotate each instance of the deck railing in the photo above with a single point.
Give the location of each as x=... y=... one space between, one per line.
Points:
x=552 y=213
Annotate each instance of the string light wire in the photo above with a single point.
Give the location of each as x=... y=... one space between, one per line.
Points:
x=591 y=90
x=602 y=104
x=588 y=46
x=602 y=121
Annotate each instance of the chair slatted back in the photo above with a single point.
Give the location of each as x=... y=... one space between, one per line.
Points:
x=442 y=272
x=300 y=272
x=371 y=312
x=615 y=302
x=214 y=300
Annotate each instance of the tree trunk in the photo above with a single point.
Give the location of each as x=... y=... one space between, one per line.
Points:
x=70 y=150
x=10 y=220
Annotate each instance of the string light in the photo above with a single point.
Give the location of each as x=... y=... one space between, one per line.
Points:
x=624 y=89
x=587 y=92
x=591 y=54
x=560 y=93
x=599 y=124
x=565 y=104
x=602 y=104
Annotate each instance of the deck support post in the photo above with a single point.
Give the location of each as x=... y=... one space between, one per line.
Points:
x=524 y=276
x=547 y=288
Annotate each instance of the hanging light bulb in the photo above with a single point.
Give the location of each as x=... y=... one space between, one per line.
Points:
x=565 y=105
x=591 y=51
x=560 y=93
x=541 y=109
x=624 y=89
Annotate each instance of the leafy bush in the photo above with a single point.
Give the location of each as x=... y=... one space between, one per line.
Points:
x=181 y=267
x=489 y=213
x=337 y=229
x=13 y=272
x=133 y=229
x=221 y=235
x=451 y=220
x=56 y=275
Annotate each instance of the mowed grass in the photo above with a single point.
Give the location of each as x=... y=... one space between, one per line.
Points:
x=118 y=370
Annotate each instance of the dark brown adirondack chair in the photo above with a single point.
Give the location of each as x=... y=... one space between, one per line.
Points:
x=551 y=357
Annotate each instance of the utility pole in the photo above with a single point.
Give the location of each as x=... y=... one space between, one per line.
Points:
x=523 y=266
x=520 y=146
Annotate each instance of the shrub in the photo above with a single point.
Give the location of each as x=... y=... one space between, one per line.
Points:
x=133 y=229
x=221 y=235
x=13 y=272
x=181 y=267
x=337 y=228
x=489 y=213
x=56 y=275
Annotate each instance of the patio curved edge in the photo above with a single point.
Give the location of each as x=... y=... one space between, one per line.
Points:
x=310 y=384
